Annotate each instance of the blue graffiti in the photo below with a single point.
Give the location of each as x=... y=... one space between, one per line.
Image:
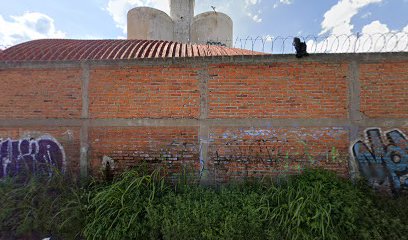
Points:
x=381 y=163
x=41 y=156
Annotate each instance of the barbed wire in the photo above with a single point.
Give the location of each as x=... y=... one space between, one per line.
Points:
x=358 y=43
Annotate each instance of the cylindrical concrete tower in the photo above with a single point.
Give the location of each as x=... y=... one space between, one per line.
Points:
x=182 y=13
x=147 y=23
x=214 y=28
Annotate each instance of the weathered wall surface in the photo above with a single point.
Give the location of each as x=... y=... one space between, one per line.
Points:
x=173 y=147
x=256 y=152
x=182 y=13
x=225 y=118
x=149 y=24
x=212 y=28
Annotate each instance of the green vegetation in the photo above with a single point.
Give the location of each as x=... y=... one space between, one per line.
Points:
x=41 y=206
x=314 y=205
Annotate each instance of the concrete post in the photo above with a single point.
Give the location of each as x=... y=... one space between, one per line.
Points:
x=204 y=132
x=355 y=114
x=182 y=13
x=85 y=124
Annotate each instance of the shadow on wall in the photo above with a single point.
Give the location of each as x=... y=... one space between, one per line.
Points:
x=383 y=163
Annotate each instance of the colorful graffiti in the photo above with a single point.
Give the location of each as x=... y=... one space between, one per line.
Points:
x=382 y=163
x=41 y=156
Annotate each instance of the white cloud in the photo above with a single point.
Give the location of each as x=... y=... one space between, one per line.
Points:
x=375 y=27
x=338 y=19
x=287 y=2
x=366 y=15
x=252 y=2
x=248 y=8
x=282 y=2
x=267 y=38
x=255 y=17
x=29 y=26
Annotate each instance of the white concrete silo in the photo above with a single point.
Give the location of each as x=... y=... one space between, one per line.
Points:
x=149 y=24
x=212 y=28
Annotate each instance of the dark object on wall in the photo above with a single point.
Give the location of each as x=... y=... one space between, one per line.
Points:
x=300 y=47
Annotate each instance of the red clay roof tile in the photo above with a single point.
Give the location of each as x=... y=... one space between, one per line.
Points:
x=74 y=50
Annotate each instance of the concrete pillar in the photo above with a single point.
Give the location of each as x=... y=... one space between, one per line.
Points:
x=182 y=13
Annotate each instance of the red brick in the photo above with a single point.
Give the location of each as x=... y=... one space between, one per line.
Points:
x=384 y=90
x=279 y=90
x=40 y=93
x=144 y=92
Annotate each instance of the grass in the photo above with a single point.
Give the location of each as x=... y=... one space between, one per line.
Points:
x=35 y=207
x=138 y=205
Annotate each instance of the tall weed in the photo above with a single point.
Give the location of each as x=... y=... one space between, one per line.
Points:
x=120 y=210
x=40 y=207
x=139 y=205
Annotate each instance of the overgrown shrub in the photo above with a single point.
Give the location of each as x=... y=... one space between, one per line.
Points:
x=314 y=205
x=382 y=216
x=205 y=213
x=40 y=207
x=121 y=210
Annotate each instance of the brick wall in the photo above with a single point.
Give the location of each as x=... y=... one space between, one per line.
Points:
x=223 y=118
x=257 y=152
x=384 y=90
x=278 y=90
x=144 y=92
x=171 y=148
x=40 y=93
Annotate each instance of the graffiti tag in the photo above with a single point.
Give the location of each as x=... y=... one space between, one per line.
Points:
x=255 y=150
x=41 y=155
x=215 y=43
x=383 y=163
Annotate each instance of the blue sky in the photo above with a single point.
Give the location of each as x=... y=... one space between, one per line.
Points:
x=22 y=20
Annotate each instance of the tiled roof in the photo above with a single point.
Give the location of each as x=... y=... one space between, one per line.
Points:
x=66 y=49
